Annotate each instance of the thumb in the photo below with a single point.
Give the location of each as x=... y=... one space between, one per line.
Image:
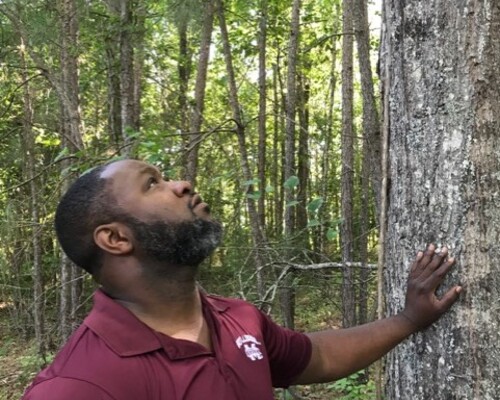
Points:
x=449 y=298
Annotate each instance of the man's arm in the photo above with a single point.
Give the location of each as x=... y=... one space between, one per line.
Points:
x=339 y=353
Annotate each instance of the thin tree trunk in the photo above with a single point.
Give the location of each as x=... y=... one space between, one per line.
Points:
x=138 y=63
x=72 y=139
x=287 y=292
x=199 y=93
x=261 y=164
x=348 y=287
x=29 y=147
x=183 y=70
x=258 y=238
x=303 y=170
x=114 y=102
x=277 y=165
x=371 y=123
x=127 y=75
x=327 y=162
x=371 y=164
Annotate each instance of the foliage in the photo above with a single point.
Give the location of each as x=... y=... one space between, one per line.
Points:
x=353 y=388
x=162 y=138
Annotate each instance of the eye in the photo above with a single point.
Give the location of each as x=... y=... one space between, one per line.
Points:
x=152 y=182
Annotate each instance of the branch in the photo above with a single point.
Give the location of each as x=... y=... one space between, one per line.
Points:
x=337 y=265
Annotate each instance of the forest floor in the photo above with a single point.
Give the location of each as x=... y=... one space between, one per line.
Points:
x=16 y=361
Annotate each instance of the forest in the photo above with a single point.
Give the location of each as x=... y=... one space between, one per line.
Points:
x=332 y=138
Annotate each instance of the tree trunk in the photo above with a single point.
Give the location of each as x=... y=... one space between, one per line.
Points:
x=328 y=181
x=441 y=69
x=138 y=63
x=261 y=163
x=287 y=293
x=199 y=93
x=371 y=163
x=114 y=102
x=183 y=70
x=303 y=162
x=127 y=75
x=259 y=241
x=29 y=147
x=71 y=283
x=347 y=180
x=371 y=124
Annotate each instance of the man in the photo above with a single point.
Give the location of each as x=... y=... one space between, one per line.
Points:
x=153 y=335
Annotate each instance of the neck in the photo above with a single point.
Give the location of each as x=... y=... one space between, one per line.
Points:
x=168 y=303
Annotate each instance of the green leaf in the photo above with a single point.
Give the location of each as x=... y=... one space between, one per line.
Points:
x=270 y=189
x=291 y=182
x=331 y=234
x=255 y=195
x=252 y=182
x=292 y=203
x=64 y=152
x=315 y=204
x=312 y=223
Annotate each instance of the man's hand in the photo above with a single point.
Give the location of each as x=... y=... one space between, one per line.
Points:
x=428 y=271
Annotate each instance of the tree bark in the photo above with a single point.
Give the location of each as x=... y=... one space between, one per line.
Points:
x=261 y=163
x=258 y=238
x=199 y=93
x=29 y=147
x=442 y=60
x=347 y=179
x=371 y=123
x=287 y=292
x=328 y=181
x=71 y=286
x=127 y=75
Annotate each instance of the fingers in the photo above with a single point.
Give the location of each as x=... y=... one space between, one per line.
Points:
x=449 y=298
x=426 y=263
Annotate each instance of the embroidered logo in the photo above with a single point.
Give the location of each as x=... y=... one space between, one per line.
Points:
x=249 y=344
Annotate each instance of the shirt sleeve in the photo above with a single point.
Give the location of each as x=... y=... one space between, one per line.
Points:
x=64 y=389
x=289 y=352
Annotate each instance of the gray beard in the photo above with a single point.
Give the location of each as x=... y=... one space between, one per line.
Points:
x=182 y=244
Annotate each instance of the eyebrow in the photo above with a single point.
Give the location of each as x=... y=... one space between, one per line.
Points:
x=149 y=169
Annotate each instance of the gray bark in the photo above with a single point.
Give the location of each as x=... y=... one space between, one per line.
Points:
x=258 y=237
x=261 y=164
x=71 y=284
x=127 y=75
x=29 y=147
x=443 y=58
x=371 y=124
x=347 y=179
x=287 y=293
x=199 y=93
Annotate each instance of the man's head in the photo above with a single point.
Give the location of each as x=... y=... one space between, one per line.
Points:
x=127 y=208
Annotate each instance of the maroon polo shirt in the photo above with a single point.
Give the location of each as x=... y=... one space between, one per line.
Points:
x=113 y=355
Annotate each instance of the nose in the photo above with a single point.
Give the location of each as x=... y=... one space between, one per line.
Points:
x=181 y=188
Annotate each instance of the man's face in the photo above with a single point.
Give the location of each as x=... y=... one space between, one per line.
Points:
x=168 y=220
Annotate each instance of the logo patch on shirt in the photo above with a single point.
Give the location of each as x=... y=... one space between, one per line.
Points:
x=249 y=345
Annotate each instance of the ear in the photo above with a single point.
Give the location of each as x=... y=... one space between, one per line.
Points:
x=114 y=238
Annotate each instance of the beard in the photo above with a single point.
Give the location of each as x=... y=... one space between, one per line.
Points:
x=182 y=244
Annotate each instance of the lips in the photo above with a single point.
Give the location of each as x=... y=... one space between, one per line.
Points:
x=195 y=201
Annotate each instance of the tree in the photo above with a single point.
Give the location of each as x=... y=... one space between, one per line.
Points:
x=440 y=74
x=199 y=92
x=257 y=233
x=347 y=179
x=287 y=295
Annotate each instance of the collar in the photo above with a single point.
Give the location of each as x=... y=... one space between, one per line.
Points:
x=127 y=336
